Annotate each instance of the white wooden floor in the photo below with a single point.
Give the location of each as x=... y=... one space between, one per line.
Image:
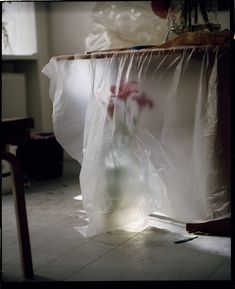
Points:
x=60 y=253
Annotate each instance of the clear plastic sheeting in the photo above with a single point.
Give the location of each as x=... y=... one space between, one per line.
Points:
x=151 y=131
x=122 y=24
x=70 y=89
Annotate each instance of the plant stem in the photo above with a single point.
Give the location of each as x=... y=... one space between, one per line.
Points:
x=125 y=113
x=185 y=13
x=189 y=15
x=203 y=11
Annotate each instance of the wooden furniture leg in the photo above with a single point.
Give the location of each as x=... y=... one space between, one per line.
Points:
x=21 y=215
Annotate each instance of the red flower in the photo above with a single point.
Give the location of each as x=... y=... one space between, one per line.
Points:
x=142 y=100
x=125 y=89
x=160 y=8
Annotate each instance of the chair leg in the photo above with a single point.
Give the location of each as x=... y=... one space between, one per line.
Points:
x=21 y=215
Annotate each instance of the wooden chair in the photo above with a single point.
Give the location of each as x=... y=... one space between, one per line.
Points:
x=15 y=131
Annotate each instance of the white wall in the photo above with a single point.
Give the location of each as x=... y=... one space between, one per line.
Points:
x=224 y=19
x=44 y=48
x=70 y=24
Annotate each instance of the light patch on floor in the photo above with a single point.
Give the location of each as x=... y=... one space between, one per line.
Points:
x=78 y=197
x=61 y=253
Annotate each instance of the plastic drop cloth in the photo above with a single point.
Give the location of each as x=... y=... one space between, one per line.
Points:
x=150 y=129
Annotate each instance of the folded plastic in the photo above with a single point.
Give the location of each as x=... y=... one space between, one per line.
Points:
x=118 y=24
x=151 y=130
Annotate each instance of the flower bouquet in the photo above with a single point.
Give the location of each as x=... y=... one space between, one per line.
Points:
x=123 y=165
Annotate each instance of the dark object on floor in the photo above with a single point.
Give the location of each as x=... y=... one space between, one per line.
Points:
x=185 y=240
x=42 y=157
x=218 y=227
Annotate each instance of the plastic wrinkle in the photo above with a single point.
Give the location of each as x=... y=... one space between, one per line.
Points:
x=125 y=24
x=146 y=129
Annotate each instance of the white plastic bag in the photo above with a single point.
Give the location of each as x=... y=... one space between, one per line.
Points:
x=150 y=130
x=70 y=89
x=123 y=24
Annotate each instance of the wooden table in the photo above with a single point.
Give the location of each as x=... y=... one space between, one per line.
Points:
x=16 y=131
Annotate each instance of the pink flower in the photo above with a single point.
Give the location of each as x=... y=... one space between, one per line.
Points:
x=142 y=100
x=125 y=89
x=161 y=8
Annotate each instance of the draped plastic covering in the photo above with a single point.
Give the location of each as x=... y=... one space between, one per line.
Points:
x=150 y=129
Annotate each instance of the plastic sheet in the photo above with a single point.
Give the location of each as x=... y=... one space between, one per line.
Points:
x=150 y=130
x=124 y=24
